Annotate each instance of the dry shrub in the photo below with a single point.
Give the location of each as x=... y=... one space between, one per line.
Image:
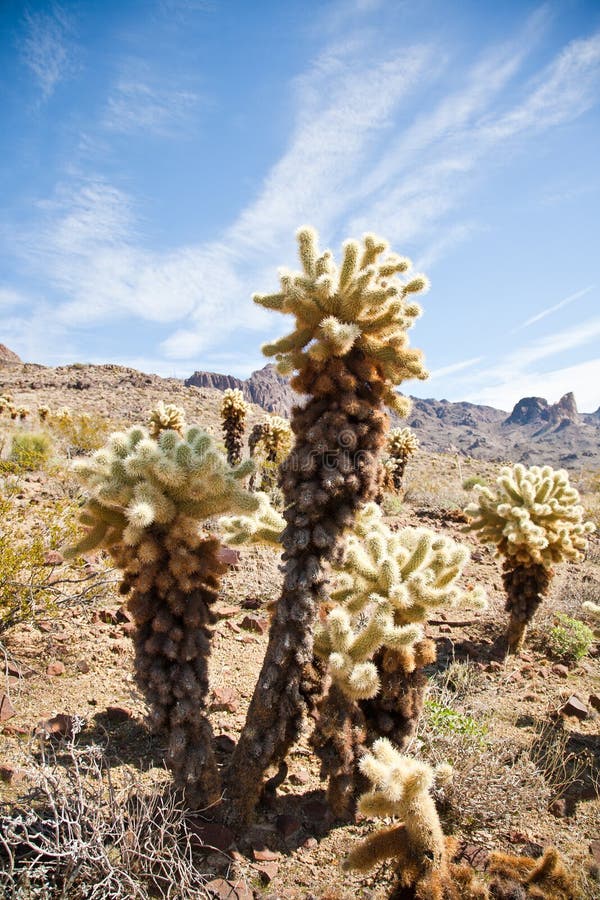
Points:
x=81 y=836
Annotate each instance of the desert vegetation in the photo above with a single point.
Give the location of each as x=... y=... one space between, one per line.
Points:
x=252 y=712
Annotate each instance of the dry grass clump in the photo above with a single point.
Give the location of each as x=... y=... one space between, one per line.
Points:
x=81 y=836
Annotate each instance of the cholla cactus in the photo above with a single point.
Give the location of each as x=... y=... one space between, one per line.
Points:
x=348 y=350
x=546 y=878
x=147 y=499
x=535 y=520
x=22 y=412
x=166 y=417
x=421 y=854
x=5 y=403
x=265 y=526
x=401 y=445
x=233 y=416
x=271 y=442
x=63 y=416
x=385 y=588
x=43 y=413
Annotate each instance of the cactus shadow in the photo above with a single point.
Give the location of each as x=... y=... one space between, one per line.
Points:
x=569 y=762
x=127 y=742
x=461 y=649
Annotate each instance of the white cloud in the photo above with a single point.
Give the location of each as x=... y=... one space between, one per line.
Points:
x=454 y=367
x=550 y=309
x=137 y=105
x=582 y=378
x=45 y=48
x=9 y=298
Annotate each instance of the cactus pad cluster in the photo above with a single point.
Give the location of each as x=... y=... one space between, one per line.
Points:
x=147 y=498
x=165 y=417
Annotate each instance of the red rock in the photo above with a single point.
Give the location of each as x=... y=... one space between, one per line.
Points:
x=123 y=614
x=225 y=743
x=574 y=707
x=225 y=612
x=44 y=626
x=252 y=603
x=233 y=626
x=55 y=668
x=229 y=556
x=299 y=777
x=224 y=698
x=53 y=558
x=267 y=871
x=256 y=623
x=211 y=835
x=83 y=666
x=594 y=701
x=263 y=854
x=560 y=670
x=12 y=775
x=7 y=710
x=58 y=726
x=247 y=639
x=118 y=714
x=107 y=616
x=476 y=855
x=221 y=889
x=494 y=667
x=445 y=629
x=18 y=731
x=13 y=670
x=310 y=843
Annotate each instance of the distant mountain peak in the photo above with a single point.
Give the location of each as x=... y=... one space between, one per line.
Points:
x=537 y=411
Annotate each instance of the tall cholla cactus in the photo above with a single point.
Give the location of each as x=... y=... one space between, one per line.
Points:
x=420 y=852
x=43 y=413
x=535 y=520
x=147 y=499
x=349 y=349
x=166 y=417
x=385 y=588
x=401 y=445
x=233 y=417
x=271 y=442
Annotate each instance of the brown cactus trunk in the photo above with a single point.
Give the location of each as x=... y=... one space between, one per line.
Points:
x=526 y=587
x=331 y=471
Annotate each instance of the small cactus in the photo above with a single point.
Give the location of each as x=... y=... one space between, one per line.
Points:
x=147 y=498
x=43 y=413
x=402 y=444
x=535 y=520
x=166 y=417
x=270 y=443
x=233 y=416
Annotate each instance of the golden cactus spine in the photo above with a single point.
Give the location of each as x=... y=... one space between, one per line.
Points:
x=233 y=418
x=348 y=350
x=534 y=519
x=147 y=499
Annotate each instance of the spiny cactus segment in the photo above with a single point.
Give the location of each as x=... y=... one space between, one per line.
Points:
x=363 y=305
x=535 y=520
x=166 y=417
x=401 y=445
x=43 y=412
x=146 y=501
x=265 y=526
x=233 y=417
x=270 y=443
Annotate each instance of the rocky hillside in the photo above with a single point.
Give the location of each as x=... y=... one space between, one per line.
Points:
x=535 y=432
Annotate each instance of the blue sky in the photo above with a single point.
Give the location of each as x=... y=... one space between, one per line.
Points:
x=157 y=158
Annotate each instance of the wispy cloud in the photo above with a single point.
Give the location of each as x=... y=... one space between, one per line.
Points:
x=45 y=48
x=455 y=367
x=551 y=309
x=138 y=105
x=582 y=378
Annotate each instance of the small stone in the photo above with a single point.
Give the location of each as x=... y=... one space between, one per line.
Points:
x=256 y=623
x=300 y=777
x=252 y=603
x=445 y=629
x=7 y=710
x=53 y=558
x=107 y=616
x=263 y=854
x=118 y=714
x=233 y=626
x=310 y=843
x=60 y=726
x=560 y=670
x=221 y=889
x=476 y=855
x=229 y=556
x=225 y=743
x=12 y=775
x=18 y=731
x=55 y=668
x=211 y=835
x=530 y=698
x=574 y=707
x=558 y=808
x=83 y=666
x=44 y=626
x=267 y=871
x=225 y=612
x=224 y=698
x=120 y=646
x=494 y=667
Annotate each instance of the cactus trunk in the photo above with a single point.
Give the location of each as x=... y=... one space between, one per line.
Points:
x=526 y=587
x=331 y=471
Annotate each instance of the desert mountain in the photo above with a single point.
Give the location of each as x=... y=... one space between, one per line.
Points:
x=535 y=432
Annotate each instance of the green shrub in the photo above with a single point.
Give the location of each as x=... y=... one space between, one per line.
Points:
x=570 y=639
x=472 y=481
x=80 y=432
x=30 y=451
x=446 y=721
